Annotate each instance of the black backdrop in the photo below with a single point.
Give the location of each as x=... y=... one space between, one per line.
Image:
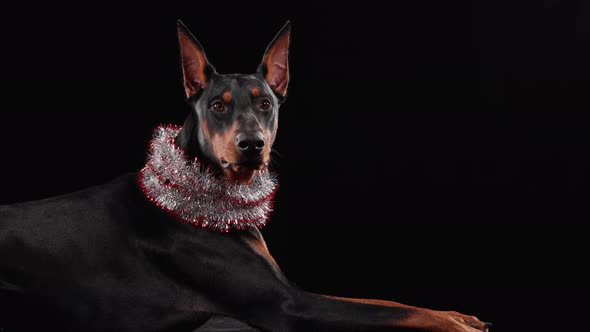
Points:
x=431 y=153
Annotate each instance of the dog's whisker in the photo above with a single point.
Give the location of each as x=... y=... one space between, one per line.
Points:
x=275 y=153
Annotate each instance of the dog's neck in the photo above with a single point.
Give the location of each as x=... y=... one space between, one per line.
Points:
x=198 y=195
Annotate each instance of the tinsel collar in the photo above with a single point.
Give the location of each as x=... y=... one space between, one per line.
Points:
x=195 y=194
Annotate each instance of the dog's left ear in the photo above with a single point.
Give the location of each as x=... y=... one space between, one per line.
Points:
x=275 y=63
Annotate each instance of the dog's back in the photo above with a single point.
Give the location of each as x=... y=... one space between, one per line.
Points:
x=66 y=223
x=41 y=242
x=72 y=256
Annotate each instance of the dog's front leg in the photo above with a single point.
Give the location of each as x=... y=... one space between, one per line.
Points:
x=315 y=312
x=239 y=276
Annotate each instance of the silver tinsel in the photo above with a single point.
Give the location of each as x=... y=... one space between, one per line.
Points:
x=196 y=195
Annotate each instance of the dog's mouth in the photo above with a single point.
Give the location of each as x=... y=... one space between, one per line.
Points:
x=255 y=164
x=242 y=172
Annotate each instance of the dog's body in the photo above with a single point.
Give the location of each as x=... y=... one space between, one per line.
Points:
x=108 y=259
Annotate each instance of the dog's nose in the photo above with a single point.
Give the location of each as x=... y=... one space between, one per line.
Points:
x=250 y=142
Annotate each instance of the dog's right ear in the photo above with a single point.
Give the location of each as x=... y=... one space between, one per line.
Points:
x=196 y=70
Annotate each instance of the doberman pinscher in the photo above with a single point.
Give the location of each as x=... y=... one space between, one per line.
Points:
x=116 y=258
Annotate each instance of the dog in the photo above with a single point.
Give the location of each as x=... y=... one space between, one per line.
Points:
x=171 y=246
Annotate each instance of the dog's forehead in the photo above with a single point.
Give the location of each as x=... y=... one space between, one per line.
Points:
x=238 y=83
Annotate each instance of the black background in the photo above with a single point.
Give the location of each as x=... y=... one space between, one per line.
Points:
x=431 y=153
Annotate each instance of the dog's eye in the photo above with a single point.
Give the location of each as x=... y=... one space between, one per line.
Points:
x=264 y=105
x=218 y=106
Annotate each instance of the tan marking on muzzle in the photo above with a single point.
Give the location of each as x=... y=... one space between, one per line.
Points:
x=268 y=141
x=224 y=144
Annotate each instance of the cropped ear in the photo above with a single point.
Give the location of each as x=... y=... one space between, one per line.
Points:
x=275 y=63
x=196 y=70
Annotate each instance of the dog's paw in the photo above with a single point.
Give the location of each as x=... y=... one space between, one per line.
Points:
x=452 y=321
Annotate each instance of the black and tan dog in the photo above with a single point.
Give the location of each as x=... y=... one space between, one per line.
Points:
x=109 y=259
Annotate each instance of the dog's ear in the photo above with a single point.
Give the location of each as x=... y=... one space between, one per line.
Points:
x=275 y=63
x=196 y=70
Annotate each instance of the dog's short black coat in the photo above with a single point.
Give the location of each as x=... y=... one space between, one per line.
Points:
x=107 y=259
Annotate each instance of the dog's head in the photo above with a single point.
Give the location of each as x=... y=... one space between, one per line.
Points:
x=234 y=117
